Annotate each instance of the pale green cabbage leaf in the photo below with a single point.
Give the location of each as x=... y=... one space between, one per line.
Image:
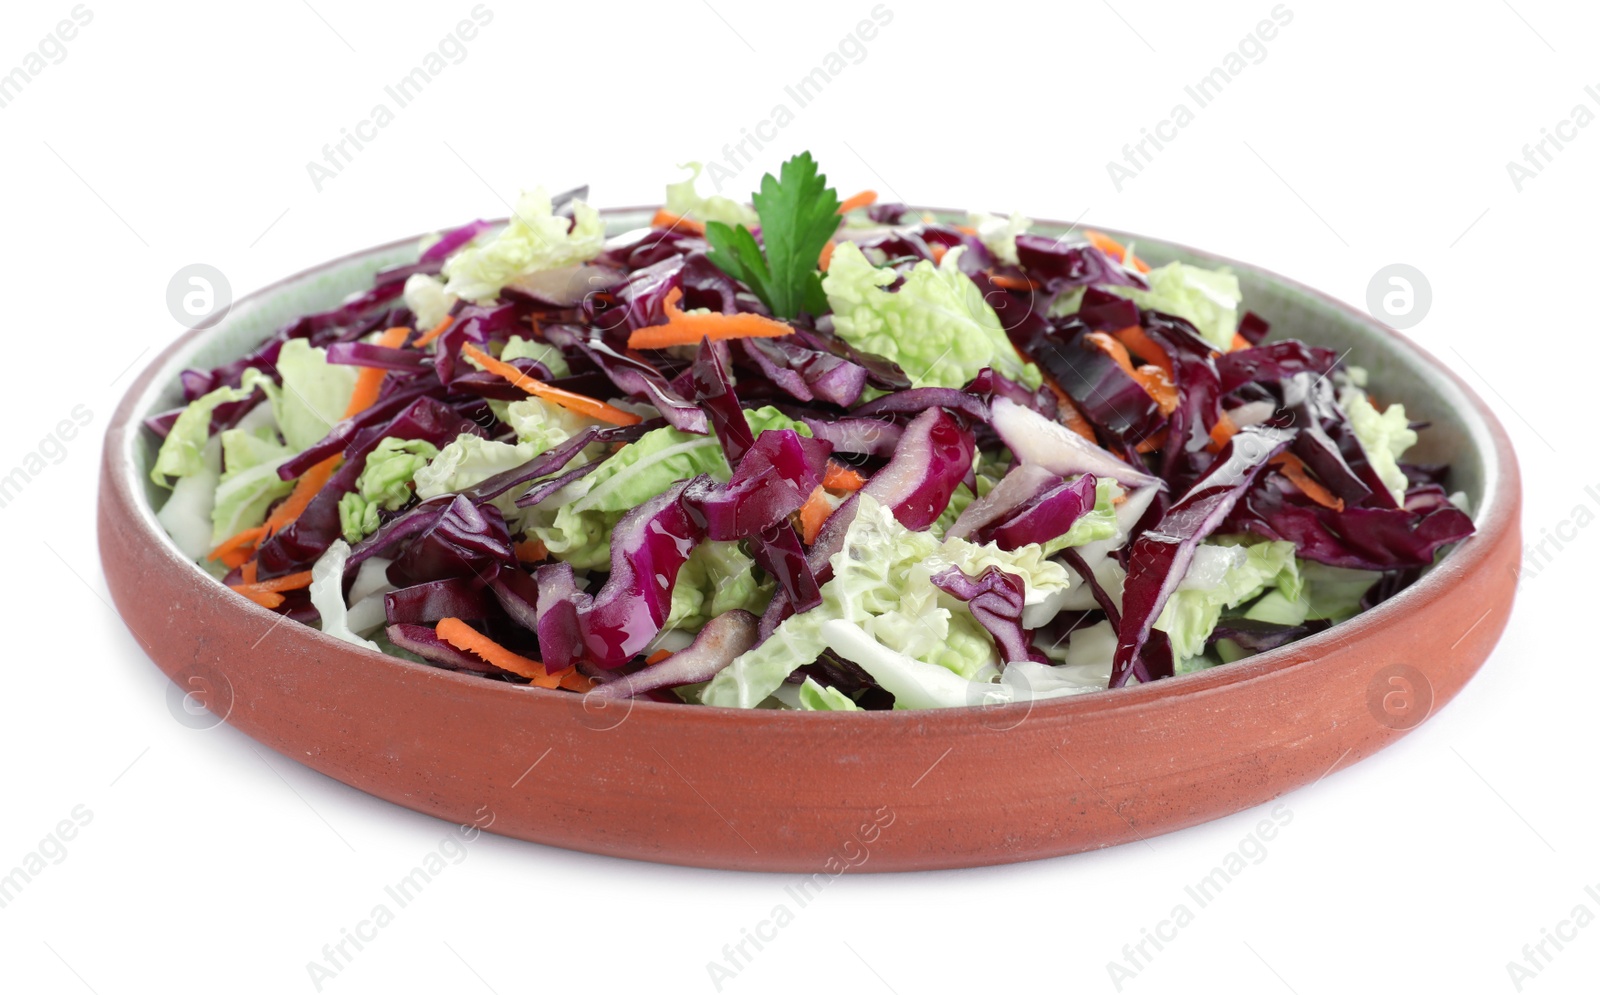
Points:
x=937 y=325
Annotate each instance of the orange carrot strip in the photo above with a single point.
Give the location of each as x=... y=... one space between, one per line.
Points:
x=277 y=585
x=574 y=681
x=865 y=198
x=236 y=558
x=530 y=551
x=938 y=252
x=1139 y=344
x=666 y=219
x=1156 y=381
x=1153 y=443
x=683 y=328
x=813 y=514
x=1225 y=429
x=1159 y=386
x=965 y=229
x=434 y=332
x=247 y=571
x=1011 y=282
x=1068 y=411
x=1239 y=342
x=469 y=640
x=306 y=488
x=1292 y=467
x=248 y=539
x=656 y=657
x=825 y=257
x=555 y=395
x=370 y=380
x=1111 y=347
x=1113 y=248
x=265 y=599
x=842 y=478
x=1071 y=415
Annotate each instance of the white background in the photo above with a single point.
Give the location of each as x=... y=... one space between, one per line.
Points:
x=1372 y=133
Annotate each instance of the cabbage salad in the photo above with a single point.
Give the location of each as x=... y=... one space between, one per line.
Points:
x=804 y=453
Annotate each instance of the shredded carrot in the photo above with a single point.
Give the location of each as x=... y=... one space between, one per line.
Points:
x=1070 y=414
x=1111 y=347
x=1113 y=248
x=666 y=219
x=656 y=657
x=1012 y=282
x=469 y=640
x=1158 y=384
x=277 y=585
x=265 y=599
x=306 y=488
x=865 y=198
x=1139 y=344
x=530 y=551
x=1239 y=342
x=248 y=540
x=965 y=229
x=236 y=557
x=938 y=252
x=574 y=681
x=813 y=514
x=842 y=478
x=1292 y=467
x=241 y=546
x=434 y=332
x=1289 y=464
x=247 y=571
x=825 y=256
x=683 y=328
x=370 y=380
x=555 y=395
x=269 y=593
x=1153 y=443
x=1225 y=429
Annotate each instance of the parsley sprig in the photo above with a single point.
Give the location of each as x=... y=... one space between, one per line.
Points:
x=799 y=213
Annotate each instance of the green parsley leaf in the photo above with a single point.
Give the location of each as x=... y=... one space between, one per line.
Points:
x=799 y=213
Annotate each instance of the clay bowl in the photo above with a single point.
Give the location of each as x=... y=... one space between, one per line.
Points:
x=878 y=791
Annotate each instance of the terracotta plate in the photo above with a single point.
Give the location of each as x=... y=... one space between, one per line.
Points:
x=768 y=790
